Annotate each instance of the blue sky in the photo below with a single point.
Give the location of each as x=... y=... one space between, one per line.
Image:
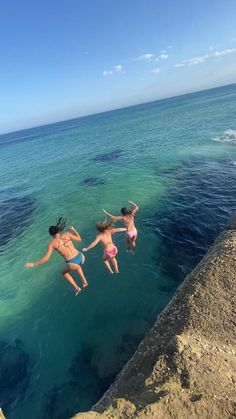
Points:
x=66 y=58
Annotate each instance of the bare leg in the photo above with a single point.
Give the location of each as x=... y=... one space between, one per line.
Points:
x=69 y=278
x=128 y=244
x=81 y=274
x=115 y=264
x=133 y=244
x=107 y=264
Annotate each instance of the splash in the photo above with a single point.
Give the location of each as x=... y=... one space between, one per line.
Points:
x=229 y=136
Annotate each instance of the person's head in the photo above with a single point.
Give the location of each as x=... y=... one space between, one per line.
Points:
x=58 y=228
x=103 y=226
x=125 y=211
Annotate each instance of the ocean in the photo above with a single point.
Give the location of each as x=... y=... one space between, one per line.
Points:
x=176 y=158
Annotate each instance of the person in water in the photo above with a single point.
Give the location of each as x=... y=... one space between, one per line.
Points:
x=63 y=244
x=127 y=218
x=105 y=238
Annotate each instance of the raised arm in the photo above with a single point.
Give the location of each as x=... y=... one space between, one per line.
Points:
x=93 y=244
x=44 y=259
x=118 y=230
x=75 y=236
x=135 y=207
x=113 y=217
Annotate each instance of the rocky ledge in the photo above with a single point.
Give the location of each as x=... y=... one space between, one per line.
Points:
x=186 y=365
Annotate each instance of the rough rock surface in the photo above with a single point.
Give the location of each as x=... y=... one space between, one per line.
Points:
x=186 y=365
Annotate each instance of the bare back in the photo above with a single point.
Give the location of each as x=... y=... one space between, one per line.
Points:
x=106 y=239
x=65 y=246
x=128 y=221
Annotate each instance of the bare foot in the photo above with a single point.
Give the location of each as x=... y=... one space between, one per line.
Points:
x=85 y=284
x=77 y=291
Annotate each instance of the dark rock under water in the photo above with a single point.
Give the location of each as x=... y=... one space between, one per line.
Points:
x=93 y=181
x=108 y=157
x=15 y=214
x=62 y=402
x=199 y=206
x=14 y=373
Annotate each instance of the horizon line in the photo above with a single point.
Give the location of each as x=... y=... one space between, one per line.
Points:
x=115 y=109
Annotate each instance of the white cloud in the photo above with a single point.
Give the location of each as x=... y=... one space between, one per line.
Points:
x=151 y=57
x=145 y=57
x=224 y=52
x=118 y=68
x=202 y=58
x=179 y=65
x=163 y=57
x=107 y=73
x=155 y=70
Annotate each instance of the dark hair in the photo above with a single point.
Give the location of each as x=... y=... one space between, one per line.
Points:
x=125 y=211
x=53 y=230
x=103 y=225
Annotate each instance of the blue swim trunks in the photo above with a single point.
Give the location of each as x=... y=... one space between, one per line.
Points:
x=78 y=259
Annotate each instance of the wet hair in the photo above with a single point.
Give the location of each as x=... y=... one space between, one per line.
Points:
x=53 y=230
x=125 y=211
x=103 y=225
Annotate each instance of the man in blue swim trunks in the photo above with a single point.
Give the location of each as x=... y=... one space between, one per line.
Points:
x=63 y=243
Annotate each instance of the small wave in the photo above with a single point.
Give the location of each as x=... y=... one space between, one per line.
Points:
x=229 y=136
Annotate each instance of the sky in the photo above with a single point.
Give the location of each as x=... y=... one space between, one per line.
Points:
x=61 y=59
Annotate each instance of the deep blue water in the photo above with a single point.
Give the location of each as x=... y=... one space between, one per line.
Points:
x=177 y=159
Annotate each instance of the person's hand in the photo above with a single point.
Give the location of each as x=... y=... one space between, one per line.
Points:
x=72 y=228
x=84 y=249
x=29 y=265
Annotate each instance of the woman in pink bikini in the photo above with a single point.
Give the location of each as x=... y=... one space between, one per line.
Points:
x=127 y=218
x=105 y=238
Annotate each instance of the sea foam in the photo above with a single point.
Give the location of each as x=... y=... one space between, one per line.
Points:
x=229 y=136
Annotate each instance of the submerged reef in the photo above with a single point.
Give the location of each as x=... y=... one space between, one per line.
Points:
x=108 y=157
x=199 y=204
x=88 y=374
x=14 y=373
x=186 y=365
x=15 y=214
x=93 y=181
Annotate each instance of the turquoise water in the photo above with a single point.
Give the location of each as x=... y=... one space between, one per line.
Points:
x=177 y=159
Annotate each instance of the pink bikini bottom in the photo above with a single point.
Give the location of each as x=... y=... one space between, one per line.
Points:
x=131 y=234
x=110 y=253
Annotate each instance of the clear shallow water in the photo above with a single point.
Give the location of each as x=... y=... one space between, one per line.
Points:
x=176 y=159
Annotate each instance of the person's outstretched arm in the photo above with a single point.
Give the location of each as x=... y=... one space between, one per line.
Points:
x=113 y=217
x=44 y=259
x=135 y=207
x=93 y=244
x=75 y=236
x=118 y=230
